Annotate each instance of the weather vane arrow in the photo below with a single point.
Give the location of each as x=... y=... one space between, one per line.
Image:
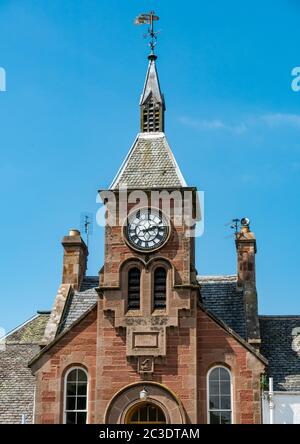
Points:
x=149 y=19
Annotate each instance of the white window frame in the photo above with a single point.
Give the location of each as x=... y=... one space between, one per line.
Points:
x=208 y=410
x=77 y=367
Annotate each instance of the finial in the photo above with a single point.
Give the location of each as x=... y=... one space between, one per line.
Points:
x=149 y=19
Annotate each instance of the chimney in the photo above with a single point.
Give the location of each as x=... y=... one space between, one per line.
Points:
x=75 y=259
x=246 y=250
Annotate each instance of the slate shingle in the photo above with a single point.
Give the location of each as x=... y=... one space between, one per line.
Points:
x=150 y=164
x=284 y=362
x=79 y=302
x=221 y=296
x=16 y=381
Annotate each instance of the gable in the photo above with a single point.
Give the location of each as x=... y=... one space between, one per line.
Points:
x=215 y=334
x=80 y=336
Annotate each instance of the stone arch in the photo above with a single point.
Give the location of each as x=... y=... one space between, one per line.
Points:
x=159 y=260
x=131 y=261
x=129 y=396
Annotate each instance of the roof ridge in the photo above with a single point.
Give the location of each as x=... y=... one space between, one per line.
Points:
x=279 y=317
x=228 y=277
x=19 y=326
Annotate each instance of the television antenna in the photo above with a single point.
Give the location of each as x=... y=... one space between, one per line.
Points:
x=237 y=224
x=86 y=226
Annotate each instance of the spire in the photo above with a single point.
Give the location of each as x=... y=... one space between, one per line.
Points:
x=152 y=102
x=150 y=162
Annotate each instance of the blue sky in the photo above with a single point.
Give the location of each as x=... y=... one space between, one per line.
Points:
x=75 y=70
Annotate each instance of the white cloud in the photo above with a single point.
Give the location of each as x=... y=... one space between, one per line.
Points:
x=269 y=120
x=282 y=119
x=213 y=125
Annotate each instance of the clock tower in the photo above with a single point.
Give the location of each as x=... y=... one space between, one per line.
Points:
x=149 y=341
x=148 y=288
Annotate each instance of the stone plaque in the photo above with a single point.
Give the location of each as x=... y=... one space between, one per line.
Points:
x=145 y=340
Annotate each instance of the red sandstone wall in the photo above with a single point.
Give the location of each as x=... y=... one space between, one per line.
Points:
x=177 y=371
x=216 y=346
x=78 y=347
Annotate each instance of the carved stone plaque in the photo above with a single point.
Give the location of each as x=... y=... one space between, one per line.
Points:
x=145 y=364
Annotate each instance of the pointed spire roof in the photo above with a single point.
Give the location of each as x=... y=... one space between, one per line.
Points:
x=150 y=163
x=152 y=83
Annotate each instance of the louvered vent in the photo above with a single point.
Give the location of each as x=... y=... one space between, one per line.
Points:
x=151 y=120
x=134 y=280
x=160 y=288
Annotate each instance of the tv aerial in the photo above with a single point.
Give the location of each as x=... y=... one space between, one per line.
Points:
x=237 y=224
x=86 y=226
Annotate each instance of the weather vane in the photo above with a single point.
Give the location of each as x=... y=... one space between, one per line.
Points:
x=149 y=19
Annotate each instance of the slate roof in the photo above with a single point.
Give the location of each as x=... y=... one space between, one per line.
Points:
x=150 y=163
x=31 y=331
x=16 y=381
x=79 y=302
x=220 y=296
x=278 y=334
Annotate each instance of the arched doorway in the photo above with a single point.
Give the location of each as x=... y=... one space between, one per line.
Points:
x=126 y=406
x=145 y=413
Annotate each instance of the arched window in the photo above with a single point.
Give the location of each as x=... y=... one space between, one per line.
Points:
x=146 y=413
x=76 y=381
x=134 y=284
x=160 y=288
x=219 y=396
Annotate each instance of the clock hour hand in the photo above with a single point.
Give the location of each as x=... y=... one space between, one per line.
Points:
x=148 y=229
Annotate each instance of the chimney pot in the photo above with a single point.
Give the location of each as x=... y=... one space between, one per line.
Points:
x=74 y=232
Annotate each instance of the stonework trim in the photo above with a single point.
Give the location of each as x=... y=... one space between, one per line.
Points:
x=63 y=294
x=226 y=367
x=124 y=270
x=128 y=397
x=135 y=404
x=64 y=377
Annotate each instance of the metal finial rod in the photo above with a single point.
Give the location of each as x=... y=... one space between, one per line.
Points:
x=149 y=19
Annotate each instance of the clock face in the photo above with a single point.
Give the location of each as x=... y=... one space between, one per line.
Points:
x=147 y=229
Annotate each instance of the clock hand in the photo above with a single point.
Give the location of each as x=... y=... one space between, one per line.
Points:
x=148 y=229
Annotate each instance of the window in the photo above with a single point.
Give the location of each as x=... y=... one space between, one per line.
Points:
x=134 y=283
x=146 y=413
x=160 y=287
x=76 y=382
x=219 y=396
